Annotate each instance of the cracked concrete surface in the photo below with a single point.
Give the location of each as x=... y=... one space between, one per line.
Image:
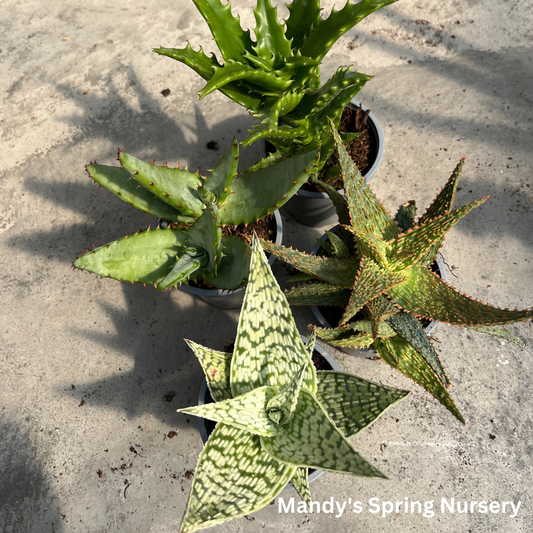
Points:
x=92 y=371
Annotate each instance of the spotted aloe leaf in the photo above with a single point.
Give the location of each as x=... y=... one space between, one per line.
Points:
x=498 y=331
x=216 y=367
x=354 y=403
x=318 y=294
x=328 y=449
x=268 y=349
x=234 y=476
x=272 y=428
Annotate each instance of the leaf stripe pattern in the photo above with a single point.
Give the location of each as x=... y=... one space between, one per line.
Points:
x=325 y=447
x=354 y=403
x=234 y=477
x=268 y=348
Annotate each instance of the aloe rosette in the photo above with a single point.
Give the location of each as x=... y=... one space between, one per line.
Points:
x=194 y=247
x=277 y=77
x=277 y=415
x=378 y=268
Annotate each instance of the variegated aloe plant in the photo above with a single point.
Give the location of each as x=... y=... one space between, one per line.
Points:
x=277 y=416
x=199 y=206
x=277 y=77
x=378 y=270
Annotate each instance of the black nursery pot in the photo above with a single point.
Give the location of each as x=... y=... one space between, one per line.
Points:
x=315 y=208
x=207 y=426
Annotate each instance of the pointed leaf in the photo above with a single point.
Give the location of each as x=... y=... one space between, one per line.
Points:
x=318 y=294
x=247 y=411
x=407 y=326
x=300 y=277
x=300 y=481
x=205 y=233
x=418 y=245
x=379 y=309
x=216 y=367
x=266 y=189
x=345 y=337
x=500 y=332
x=399 y=354
x=310 y=344
x=334 y=271
x=281 y=406
x=371 y=281
x=174 y=186
x=304 y=14
x=146 y=257
x=311 y=439
x=116 y=180
x=354 y=403
x=221 y=177
x=405 y=217
x=190 y=260
x=366 y=211
x=425 y=294
x=231 y=40
x=268 y=348
x=340 y=250
x=269 y=32
x=234 y=477
x=371 y=246
x=326 y=32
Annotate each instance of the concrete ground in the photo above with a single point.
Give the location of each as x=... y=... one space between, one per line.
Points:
x=92 y=371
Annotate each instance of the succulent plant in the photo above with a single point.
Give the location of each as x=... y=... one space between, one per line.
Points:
x=277 y=77
x=277 y=415
x=377 y=267
x=194 y=246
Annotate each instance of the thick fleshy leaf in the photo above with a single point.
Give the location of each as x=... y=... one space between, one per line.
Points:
x=172 y=185
x=335 y=271
x=339 y=248
x=412 y=331
x=310 y=344
x=234 y=477
x=216 y=367
x=281 y=406
x=117 y=180
x=366 y=211
x=270 y=34
x=190 y=260
x=443 y=203
x=327 y=32
x=339 y=201
x=318 y=294
x=257 y=193
x=219 y=180
x=206 y=234
x=304 y=15
x=300 y=481
x=231 y=39
x=371 y=281
x=268 y=348
x=202 y=65
x=418 y=244
x=498 y=331
x=379 y=309
x=233 y=269
x=371 y=246
x=145 y=257
x=399 y=354
x=352 y=402
x=425 y=294
x=311 y=439
x=248 y=411
x=345 y=337
x=406 y=215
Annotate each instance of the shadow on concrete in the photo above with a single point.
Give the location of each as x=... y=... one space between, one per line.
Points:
x=165 y=374
x=26 y=495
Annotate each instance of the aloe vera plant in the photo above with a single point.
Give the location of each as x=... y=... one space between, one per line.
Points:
x=277 y=77
x=377 y=267
x=277 y=415
x=199 y=207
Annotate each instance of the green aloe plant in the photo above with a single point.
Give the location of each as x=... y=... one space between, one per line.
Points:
x=277 y=415
x=277 y=77
x=378 y=269
x=199 y=207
